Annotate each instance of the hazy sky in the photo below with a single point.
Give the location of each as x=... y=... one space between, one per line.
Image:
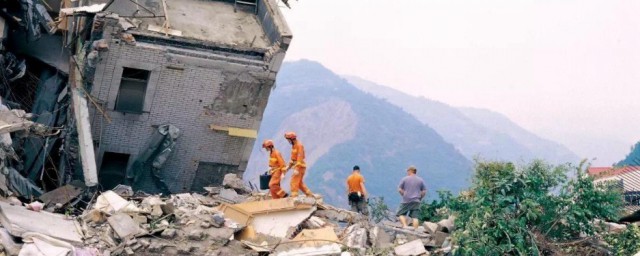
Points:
x=567 y=70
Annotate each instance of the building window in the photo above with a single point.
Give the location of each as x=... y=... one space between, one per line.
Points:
x=113 y=169
x=133 y=87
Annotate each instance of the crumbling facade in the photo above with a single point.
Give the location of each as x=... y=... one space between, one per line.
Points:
x=204 y=67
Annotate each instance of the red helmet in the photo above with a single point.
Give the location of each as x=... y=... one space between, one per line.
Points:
x=267 y=143
x=290 y=135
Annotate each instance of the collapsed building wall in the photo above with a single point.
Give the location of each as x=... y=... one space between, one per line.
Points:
x=214 y=94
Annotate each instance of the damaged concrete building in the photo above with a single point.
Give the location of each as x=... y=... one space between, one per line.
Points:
x=165 y=96
x=186 y=80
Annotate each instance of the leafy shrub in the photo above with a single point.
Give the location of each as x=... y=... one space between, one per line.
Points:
x=626 y=242
x=379 y=209
x=507 y=206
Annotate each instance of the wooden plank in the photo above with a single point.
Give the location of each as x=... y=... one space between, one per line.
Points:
x=273 y=205
x=245 y=133
x=238 y=215
x=166 y=31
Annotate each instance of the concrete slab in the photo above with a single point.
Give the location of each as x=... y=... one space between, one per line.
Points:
x=18 y=220
x=216 y=21
x=124 y=225
x=61 y=195
x=412 y=248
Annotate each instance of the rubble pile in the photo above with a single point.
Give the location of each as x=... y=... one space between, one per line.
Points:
x=121 y=222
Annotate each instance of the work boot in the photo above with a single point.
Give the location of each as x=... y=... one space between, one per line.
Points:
x=285 y=195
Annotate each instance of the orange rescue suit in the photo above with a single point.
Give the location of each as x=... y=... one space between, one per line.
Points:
x=277 y=169
x=297 y=159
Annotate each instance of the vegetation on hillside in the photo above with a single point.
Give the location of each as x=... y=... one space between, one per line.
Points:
x=633 y=158
x=531 y=210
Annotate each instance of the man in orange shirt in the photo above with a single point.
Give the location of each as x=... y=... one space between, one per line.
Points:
x=277 y=169
x=298 y=164
x=356 y=191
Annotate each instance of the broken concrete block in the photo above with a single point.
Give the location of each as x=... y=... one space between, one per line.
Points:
x=378 y=238
x=340 y=216
x=196 y=235
x=439 y=237
x=356 y=238
x=219 y=236
x=124 y=225
x=231 y=180
x=229 y=195
x=430 y=227
x=186 y=249
x=136 y=246
x=314 y=222
x=156 y=246
x=445 y=225
x=412 y=248
x=205 y=224
x=168 y=208
x=421 y=229
x=401 y=239
x=129 y=251
x=140 y=219
x=168 y=233
x=144 y=242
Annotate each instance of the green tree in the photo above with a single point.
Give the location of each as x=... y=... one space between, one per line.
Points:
x=508 y=208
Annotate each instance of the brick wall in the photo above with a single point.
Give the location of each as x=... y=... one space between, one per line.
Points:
x=179 y=94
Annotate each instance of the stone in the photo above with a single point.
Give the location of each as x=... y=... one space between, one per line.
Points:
x=445 y=225
x=196 y=234
x=231 y=180
x=430 y=227
x=168 y=208
x=129 y=251
x=414 y=247
x=140 y=219
x=205 y=224
x=124 y=225
x=186 y=249
x=218 y=220
x=356 y=238
x=401 y=239
x=378 y=238
x=421 y=229
x=156 y=246
x=314 y=222
x=168 y=233
x=144 y=242
x=136 y=246
x=439 y=237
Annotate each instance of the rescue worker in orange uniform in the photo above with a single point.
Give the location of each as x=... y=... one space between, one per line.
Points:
x=356 y=192
x=277 y=169
x=298 y=164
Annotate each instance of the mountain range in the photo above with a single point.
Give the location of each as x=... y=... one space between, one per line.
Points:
x=475 y=132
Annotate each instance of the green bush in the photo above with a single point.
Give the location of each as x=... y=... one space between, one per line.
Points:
x=626 y=242
x=507 y=206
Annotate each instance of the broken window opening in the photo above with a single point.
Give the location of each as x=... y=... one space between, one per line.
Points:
x=211 y=174
x=133 y=87
x=113 y=169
